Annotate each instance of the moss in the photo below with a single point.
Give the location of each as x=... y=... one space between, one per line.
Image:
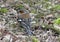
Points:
x=3 y=10
x=57 y=21
x=34 y=39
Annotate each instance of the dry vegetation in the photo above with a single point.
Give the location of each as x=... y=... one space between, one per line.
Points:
x=45 y=16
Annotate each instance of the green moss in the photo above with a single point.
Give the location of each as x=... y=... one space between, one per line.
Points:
x=3 y=10
x=34 y=39
x=57 y=21
x=19 y=6
x=57 y=7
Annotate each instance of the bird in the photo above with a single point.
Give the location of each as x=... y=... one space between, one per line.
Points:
x=24 y=19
